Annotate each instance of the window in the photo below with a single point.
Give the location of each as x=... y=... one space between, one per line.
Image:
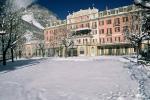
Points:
x=117 y=21
x=104 y=13
x=82 y=25
x=94 y=16
x=120 y=9
x=137 y=27
x=79 y=41
x=125 y=28
x=101 y=14
x=88 y=25
x=103 y=40
x=125 y=9
x=99 y=40
x=125 y=19
x=102 y=31
x=129 y=8
x=93 y=40
x=107 y=39
x=109 y=31
x=95 y=32
x=113 y=12
x=94 y=25
x=83 y=41
x=110 y=40
x=101 y=23
x=119 y=39
x=117 y=11
x=76 y=26
x=117 y=29
x=47 y=38
x=86 y=40
x=108 y=21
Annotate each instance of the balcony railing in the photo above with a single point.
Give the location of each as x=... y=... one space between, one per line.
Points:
x=113 y=43
x=82 y=32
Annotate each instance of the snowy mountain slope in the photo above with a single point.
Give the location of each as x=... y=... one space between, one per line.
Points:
x=38 y=16
x=41 y=14
x=30 y=19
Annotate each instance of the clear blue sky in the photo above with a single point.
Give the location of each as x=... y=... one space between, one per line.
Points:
x=61 y=7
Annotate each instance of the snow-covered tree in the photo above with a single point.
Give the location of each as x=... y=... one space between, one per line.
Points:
x=137 y=30
x=145 y=27
x=143 y=3
x=11 y=23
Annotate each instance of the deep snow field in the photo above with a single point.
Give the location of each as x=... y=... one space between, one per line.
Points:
x=80 y=78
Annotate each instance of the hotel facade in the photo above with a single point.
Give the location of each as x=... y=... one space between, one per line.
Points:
x=95 y=32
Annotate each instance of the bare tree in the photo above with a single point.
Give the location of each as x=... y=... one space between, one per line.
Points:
x=10 y=22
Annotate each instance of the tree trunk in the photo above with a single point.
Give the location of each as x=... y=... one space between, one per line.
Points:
x=71 y=52
x=66 y=49
x=138 y=50
x=42 y=53
x=16 y=54
x=4 y=52
x=20 y=54
x=12 y=55
x=4 y=58
x=53 y=51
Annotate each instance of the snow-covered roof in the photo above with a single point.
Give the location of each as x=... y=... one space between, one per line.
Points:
x=30 y=19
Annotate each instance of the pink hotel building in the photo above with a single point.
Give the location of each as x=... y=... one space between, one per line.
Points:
x=106 y=35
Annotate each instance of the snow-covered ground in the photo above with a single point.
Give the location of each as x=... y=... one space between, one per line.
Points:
x=80 y=78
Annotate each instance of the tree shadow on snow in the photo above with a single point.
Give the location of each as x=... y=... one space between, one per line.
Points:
x=18 y=65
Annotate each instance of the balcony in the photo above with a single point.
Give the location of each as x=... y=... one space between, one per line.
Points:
x=82 y=32
x=80 y=29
